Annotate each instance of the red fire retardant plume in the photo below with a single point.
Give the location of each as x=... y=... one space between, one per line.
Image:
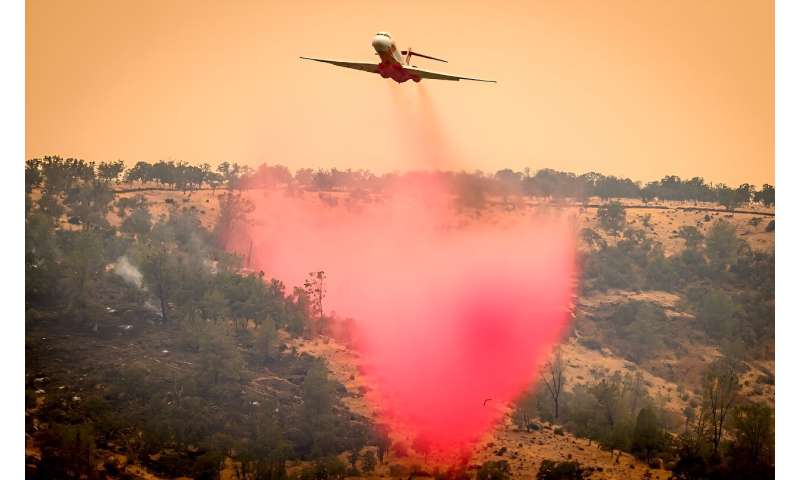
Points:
x=449 y=310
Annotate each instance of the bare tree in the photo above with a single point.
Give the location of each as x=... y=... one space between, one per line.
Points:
x=553 y=375
x=315 y=289
x=720 y=386
x=635 y=390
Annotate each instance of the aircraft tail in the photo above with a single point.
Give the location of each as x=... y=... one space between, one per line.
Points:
x=409 y=53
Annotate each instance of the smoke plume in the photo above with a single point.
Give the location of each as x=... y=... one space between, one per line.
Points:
x=125 y=269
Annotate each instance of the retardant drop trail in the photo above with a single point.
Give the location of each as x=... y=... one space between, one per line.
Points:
x=448 y=312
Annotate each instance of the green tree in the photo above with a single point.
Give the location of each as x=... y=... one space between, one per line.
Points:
x=138 y=222
x=110 y=171
x=33 y=174
x=643 y=336
x=722 y=245
x=83 y=267
x=222 y=366
x=611 y=217
x=88 y=203
x=159 y=266
x=691 y=235
x=647 y=435
x=593 y=239
x=766 y=195
x=317 y=389
x=753 y=427
x=267 y=340
x=717 y=314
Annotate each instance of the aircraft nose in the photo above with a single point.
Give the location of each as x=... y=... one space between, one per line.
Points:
x=381 y=43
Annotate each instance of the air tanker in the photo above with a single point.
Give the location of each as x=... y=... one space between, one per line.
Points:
x=395 y=64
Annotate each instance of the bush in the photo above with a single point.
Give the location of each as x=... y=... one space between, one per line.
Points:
x=492 y=470
x=397 y=471
x=591 y=343
x=207 y=466
x=550 y=470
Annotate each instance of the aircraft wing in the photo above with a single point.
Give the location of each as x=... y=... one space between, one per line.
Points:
x=440 y=76
x=364 y=66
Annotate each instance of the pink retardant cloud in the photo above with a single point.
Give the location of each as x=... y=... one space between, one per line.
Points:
x=450 y=310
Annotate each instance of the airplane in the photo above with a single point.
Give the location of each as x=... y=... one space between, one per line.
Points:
x=396 y=64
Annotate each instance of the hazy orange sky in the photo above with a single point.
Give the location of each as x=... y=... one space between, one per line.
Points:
x=625 y=87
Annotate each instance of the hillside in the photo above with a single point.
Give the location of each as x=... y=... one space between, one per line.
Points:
x=181 y=361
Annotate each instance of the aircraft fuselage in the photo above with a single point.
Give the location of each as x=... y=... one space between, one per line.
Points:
x=392 y=61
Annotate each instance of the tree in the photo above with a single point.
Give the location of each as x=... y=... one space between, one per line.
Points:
x=233 y=210
x=368 y=463
x=221 y=363
x=554 y=378
x=83 y=266
x=68 y=451
x=716 y=312
x=720 y=389
x=141 y=172
x=727 y=197
x=267 y=339
x=382 y=440
x=33 y=174
x=315 y=290
x=722 y=245
x=138 y=222
x=611 y=217
x=753 y=432
x=110 y=171
x=353 y=458
x=317 y=389
x=647 y=435
x=766 y=195
x=691 y=235
x=470 y=191
x=88 y=204
x=643 y=335
x=231 y=174
x=160 y=270
x=609 y=395
x=593 y=239
x=744 y=193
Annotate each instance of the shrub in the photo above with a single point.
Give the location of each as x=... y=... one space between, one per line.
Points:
x=550 y=470
x=492 y=470
x=397 y=471
x=591 y=343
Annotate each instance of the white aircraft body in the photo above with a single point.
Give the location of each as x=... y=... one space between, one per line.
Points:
x=395 y=64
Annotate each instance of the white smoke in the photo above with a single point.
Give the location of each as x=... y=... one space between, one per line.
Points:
x=125 y=269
